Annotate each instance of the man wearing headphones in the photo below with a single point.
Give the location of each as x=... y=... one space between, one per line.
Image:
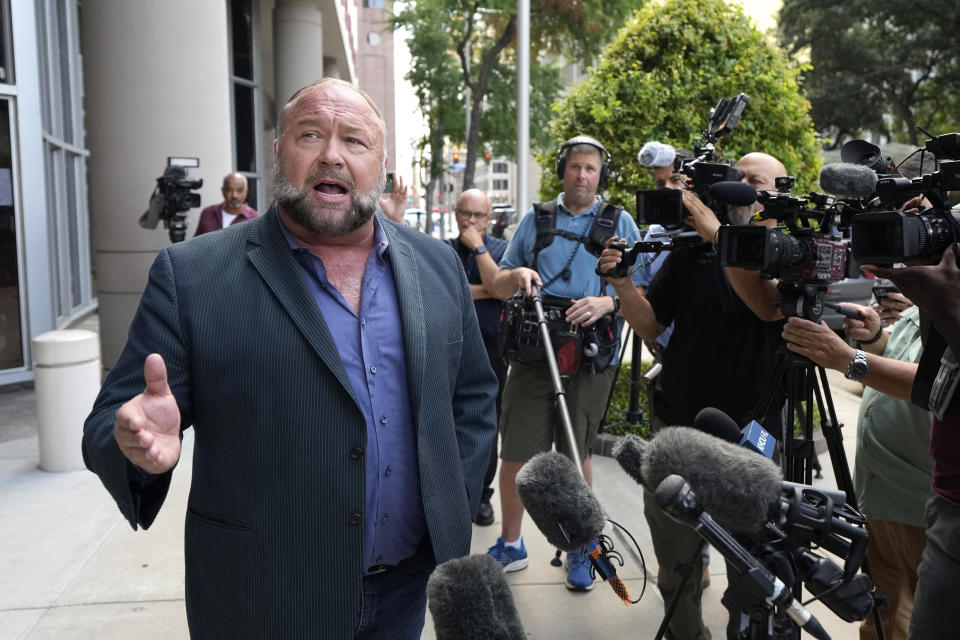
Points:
x=549 y=251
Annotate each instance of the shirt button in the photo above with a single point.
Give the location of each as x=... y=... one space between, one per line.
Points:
x=356 y=453
x=355 y=519
x=385 y=519
x=373 y=370
x=387 y=472
x=383 y=419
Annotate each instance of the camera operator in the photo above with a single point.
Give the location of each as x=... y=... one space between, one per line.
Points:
x=893 y=464
x=936 y=290
x=232 y=210
x=720 y=354
x=563 y=269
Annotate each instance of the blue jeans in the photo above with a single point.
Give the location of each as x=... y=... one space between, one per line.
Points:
x=395 y=601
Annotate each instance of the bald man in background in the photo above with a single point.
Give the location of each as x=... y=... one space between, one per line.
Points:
x=232 y=210
x=480 y=255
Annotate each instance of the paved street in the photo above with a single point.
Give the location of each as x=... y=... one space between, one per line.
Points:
x=71 y=567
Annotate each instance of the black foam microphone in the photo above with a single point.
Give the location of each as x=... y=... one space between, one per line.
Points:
x=848 y=180
x=736 y=486
x=717 y=423
x=675 y=497
x=470 y=599
x=565 y=510
x=733 y=192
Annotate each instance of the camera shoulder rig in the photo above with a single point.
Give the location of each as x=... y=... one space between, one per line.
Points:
x=545 y=218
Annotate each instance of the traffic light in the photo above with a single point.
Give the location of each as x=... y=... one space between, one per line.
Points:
x=456 y=157
x=487 y=156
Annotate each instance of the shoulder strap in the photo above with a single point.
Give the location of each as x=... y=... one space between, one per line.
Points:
x=545 y=219
x=604 y=224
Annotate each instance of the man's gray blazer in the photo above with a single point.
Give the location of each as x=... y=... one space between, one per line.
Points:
x=274 y=525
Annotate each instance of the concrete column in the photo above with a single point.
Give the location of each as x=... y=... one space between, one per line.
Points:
x=297 y=47
x=157 y=84
x=66 y=370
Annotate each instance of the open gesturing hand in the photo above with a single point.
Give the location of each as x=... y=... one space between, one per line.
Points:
x=148 y=425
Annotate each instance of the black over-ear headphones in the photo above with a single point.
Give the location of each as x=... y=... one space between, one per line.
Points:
x=593 y=142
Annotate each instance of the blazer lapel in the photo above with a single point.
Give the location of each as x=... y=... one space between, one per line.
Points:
x=281 y=272
x=406 y=276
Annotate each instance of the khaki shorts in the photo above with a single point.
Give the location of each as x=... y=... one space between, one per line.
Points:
x=530 y=422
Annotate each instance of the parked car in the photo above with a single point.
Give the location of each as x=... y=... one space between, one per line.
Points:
x=415 y=218
x=500 y=220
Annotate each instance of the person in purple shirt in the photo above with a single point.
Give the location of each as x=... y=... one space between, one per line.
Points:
x=342 y=420
x=232 y=210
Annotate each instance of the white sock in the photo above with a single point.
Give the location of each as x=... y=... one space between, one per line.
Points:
x=516 y=544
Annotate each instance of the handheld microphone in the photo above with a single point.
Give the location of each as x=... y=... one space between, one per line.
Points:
x=656 y=154
x=567 y=513
x=675 y=497
x=848 y=180
x=470 y=599
x=733 y=192
x=753 y=436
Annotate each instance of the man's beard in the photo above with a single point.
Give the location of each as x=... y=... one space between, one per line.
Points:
x=297 y=203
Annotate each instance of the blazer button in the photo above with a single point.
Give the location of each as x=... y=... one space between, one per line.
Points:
x=356 y=519
x=356 y=453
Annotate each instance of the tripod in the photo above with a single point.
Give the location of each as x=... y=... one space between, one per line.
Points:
x=803 y=380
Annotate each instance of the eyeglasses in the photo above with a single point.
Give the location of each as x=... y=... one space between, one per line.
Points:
x=476 y=215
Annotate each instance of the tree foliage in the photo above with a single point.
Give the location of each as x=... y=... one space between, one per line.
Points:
x=660 y=77
x=481 y=38
x=883 y=67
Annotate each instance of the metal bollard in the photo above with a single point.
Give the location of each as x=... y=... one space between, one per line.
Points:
x=66 y=370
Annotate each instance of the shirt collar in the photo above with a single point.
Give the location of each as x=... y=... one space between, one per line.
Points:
x=380 y=242
x=591 y=211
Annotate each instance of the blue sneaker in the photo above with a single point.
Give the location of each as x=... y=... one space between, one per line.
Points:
x=578 y=572
x=509 y=558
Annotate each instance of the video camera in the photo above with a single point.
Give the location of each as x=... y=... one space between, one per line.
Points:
x=665 y=206
x=885 y=236
x=173 y=197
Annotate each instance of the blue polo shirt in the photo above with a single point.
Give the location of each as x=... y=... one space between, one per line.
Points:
x=563 y=253
x=370 y=345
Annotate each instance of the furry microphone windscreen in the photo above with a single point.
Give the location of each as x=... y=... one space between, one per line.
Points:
x=469 y=599
x=628 y=452
x=559 y=501
x=848 y=180
x=736 y=486
x=656 y=154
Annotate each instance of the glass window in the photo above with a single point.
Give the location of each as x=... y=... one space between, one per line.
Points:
x=244 y=128
x=246 y=98
x=65 y=157
x=11 y=334
x=242 y=35
x=373 y=4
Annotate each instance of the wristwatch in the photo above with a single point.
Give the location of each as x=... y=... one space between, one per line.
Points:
x=479 y=250
x=857 y=369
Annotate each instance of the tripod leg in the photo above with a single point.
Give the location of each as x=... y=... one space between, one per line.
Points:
x=675 y=600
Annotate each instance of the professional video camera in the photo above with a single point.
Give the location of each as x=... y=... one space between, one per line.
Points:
x=665 y=206
x=885 y=236
x=813 y=255
x=173 y=197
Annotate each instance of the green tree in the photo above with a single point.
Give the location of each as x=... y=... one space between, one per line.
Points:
x=482 y=38
x=660 y=77
x=883 y=67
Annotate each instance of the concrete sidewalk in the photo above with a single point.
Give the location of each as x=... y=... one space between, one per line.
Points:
x=71 y=567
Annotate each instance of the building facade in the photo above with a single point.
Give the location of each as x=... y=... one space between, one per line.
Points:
x=95 y=95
